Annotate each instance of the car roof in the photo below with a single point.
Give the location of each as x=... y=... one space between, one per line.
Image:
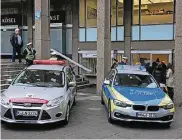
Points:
x=131 y=69
x=47 y=67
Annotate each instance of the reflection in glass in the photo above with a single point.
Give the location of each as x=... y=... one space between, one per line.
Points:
x=82 y=13
x=91 y=13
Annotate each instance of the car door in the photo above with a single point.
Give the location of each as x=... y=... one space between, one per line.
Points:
x=107 y=88
x=71 y=90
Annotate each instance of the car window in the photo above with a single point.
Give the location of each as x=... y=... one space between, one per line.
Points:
x=41 y=78
x=135 y=80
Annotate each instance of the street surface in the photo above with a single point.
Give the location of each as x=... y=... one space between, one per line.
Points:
x=88 y=120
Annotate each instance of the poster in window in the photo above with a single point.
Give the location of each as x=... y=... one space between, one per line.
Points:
x=91 y=13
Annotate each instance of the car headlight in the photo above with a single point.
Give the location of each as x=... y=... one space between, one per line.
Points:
x=121 y=104
x=168 y=106
x=4 y=100
x=55 y=102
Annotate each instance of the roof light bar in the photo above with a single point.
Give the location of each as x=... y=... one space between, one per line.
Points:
x=49 y=62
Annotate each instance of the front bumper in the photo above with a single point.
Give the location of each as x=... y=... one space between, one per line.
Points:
x=45 y=114
x=129 y=115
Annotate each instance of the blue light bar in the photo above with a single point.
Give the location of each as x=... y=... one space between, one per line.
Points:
x=131 y=67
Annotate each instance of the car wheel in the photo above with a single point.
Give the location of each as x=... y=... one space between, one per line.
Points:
x=102 y=100
x=74 y=101
x=66 y=120
x=109 y=113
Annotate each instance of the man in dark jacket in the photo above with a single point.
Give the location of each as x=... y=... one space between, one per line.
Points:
x=124 y=61
x=159 y=74
x=17 y=44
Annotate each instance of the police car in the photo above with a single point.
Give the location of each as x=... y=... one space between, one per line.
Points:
x=132 y=94
x=42 y=93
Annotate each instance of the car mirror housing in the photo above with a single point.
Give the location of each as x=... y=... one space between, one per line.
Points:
x=9 y=81
x=162 y=85
x=107 y=82
x=72 y=84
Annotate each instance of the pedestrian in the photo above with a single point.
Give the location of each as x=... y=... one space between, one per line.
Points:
x=114 y=65
x=124 y=61
x=158 y=74
x=29 y=54
x=170 y=80
x=17 y=44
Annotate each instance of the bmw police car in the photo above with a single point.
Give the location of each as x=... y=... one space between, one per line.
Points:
x=42 y=93
x=132 y=94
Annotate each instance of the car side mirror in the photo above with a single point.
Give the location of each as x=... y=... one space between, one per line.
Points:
x=162 y=85
x=107 y=82
x=9 y=81
x=72 y=84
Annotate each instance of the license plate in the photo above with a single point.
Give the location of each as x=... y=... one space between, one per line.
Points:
x=146 y=115
x=27 y=113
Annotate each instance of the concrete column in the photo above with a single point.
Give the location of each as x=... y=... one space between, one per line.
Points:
x=30 y=20
x=178 y=54
x=127 y=28
x=75 y=31
x=42 y=29
x=103 y=41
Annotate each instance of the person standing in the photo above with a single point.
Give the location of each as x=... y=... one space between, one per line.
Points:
x=29 y=54
x=124 y=61
x=114 y=65
x=17 y=44
x=170 y=80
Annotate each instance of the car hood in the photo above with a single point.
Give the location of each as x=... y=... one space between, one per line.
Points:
x=141 y=95
x=34 y=92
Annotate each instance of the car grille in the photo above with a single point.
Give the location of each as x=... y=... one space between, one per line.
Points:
x=153 y=108
x=45 y=116
x=139 y=107
x=8 y=114
x=32 y=104
x=25 y=117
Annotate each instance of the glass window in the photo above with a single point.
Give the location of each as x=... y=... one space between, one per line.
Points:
x=82 y=34
x=120 y=33
x=113 y=33
x=141 y=57
x=91 y=34
x=40 y=78
x=157 y=11
x=136 y=12
x=135 y=32
x=135 y=80
x=120 y=12
x=82 y=13
x=91 y=13
x=113 y=12
x=157 y=32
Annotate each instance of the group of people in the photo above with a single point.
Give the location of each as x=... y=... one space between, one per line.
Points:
x=17 y=44
x=162 y=73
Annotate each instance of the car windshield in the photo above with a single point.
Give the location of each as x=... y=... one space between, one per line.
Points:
x=135 y=80
x=40 y=78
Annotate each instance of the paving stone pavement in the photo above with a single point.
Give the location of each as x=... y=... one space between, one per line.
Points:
x=88 y=120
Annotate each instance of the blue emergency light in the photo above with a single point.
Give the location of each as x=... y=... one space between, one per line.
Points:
x=131 y=67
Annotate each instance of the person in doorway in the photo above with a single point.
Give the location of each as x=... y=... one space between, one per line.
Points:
x=155 y=64
x=158 y=74
x=124 y=61
x=17 y=44
x=114 y=65
x=29 y=54
x=170 y=80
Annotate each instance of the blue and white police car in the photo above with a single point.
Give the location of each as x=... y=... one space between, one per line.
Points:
x=132 y=94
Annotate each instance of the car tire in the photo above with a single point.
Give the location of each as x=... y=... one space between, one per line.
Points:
x=102 y=100
x=66 y=120
x=110 y=120
x=74 y=101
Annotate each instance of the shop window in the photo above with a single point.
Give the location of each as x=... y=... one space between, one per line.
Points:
x=142 y=58
x=91 y=13
x=120 y=12
x=82 y=13
x=157 y=11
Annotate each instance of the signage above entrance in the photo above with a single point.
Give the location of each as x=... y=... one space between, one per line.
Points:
x=57 y=16
x=15 y=19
